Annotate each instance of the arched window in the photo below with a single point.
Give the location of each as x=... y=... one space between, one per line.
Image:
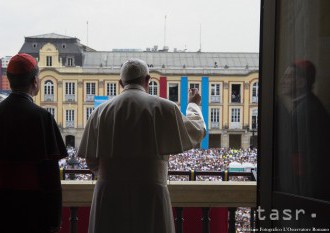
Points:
x=153 y=88
x=49 y=88
x=255 y=91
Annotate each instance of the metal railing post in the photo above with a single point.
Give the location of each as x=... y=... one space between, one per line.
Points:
x=192 y=175
x=206 y=220
x=179 y=219
x=73 y=219
x=232 y=220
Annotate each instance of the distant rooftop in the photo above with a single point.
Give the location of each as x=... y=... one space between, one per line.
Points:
x=246 y=61
x=51 y=36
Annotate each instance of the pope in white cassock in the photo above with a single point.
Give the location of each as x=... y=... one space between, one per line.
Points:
x=126 y=143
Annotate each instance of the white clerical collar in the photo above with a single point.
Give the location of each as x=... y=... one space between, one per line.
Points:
x=134 y=86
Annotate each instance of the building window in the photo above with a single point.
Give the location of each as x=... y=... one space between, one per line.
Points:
x=51 y=110
x=111 y=90
x=235 y=122
x=236 y=93
x=34 y=45
x=70 y=91
x=63 y=46
x=173 y=92
x=215 y=118
x=254 y=120
x=69 y=118
x=49 y=91
x=215 y=93
x=49 y=61
x=89 y=111
x=255 y=92
x=194 y=85
x=235 y=114
x=153 y=88
x=70 y=61
x=90 y=91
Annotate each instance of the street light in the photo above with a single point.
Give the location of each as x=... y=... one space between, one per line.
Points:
x=253 y=130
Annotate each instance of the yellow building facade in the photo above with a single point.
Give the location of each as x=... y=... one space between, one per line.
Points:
x=232 y=94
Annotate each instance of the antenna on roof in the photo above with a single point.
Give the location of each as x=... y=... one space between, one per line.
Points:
x=87 y=34
x=165 y=32
x=200 y=38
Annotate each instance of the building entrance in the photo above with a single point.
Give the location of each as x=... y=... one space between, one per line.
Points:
x=215 y=141
x=235 y=141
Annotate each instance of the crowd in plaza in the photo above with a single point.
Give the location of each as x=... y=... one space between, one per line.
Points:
x=217 y=159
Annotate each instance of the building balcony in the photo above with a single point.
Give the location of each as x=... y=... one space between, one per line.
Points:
x=227 y=195
x=215 y=99
x=69 y=124
x=235 y=125
x=70 y=98
x=215 y=125
x=49 y=98
x=90 y=98
x=254 y=99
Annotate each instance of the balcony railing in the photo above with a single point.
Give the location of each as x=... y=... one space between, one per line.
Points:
x=69 y=124
x=254 y=99
x=235 y=125
x=203 y=194
x=49 y=98
x=215 y=125
x=215 y=99
x=90 y=98
x=70 y=98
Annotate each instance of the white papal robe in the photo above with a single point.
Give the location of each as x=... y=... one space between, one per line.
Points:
x=126 y=142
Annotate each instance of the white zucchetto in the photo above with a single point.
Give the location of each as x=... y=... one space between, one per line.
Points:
x=133 y=69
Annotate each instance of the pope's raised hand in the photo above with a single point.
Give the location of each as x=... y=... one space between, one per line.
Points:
x=194 y=96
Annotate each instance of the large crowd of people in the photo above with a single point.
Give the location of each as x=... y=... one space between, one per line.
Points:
x=196 y=159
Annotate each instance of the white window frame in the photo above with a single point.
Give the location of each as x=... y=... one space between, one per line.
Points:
x=70 y=88
x=48 y=91
x=49 y=61
x=216 y=96
x=88 y=112
x=70 y=118
x=90 y=88
x=69 y=91
x=111 y=89
x=153 y=88
x=193 y=85
x=254 y=113
x=70 y=61
x=254 y=92
x=235 y=118
x=215 y=118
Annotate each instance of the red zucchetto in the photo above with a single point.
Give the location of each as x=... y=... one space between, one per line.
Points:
x=21 y=64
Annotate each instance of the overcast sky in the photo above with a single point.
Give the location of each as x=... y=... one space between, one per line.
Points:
x=226 y=25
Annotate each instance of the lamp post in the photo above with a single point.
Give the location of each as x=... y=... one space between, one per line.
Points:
x=253 y=139
x=253 y=130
